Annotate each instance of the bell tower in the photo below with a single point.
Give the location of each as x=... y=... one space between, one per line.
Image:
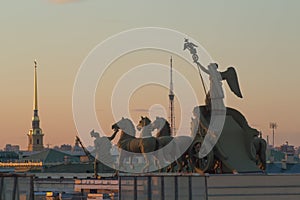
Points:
x=35 y=135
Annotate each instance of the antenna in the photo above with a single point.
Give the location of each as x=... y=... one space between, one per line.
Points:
x=171 y=98
x=273 y=126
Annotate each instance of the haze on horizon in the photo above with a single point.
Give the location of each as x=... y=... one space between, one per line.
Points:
x=260 y=39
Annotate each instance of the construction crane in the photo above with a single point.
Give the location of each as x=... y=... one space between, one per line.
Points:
x=87 y=153
x=91 y=158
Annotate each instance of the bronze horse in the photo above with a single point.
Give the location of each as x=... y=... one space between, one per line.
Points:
x=174 y=148
x=144 y=125
x=186 y=148
x=128 y=143
x=165 y=155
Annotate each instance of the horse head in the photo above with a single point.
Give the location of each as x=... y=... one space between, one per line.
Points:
x=145 y=121
x=159 y=123
x=145 y=125
x=162 y=126
x=125 y=125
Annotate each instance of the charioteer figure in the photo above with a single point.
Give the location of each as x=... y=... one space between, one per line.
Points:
x=215 y=93
x=210 y=120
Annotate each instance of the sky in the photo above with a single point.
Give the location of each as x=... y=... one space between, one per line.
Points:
x=259 y=38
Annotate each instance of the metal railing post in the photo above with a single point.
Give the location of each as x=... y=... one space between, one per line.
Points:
x=149 y=188
x=176 y=187
x=31 y=193
x=120 y=187
x=162 y=189
x=135 y=188
x=190 y=188
x=1 y=187
x=14 y=195
x=206 y=190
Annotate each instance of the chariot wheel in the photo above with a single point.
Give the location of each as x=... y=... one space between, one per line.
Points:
x=203 y=164
x=207 y=163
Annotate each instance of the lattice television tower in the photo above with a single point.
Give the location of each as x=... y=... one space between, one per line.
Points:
x=273 y=126
x=171 y=98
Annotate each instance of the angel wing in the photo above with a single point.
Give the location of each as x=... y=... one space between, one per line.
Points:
x=231 y=77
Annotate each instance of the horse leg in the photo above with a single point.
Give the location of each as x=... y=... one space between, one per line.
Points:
x=123 y=155
x=131 y=163
x=179 y=163
x=147 y=163
x=142 y=150
x=171 y=167
x=187 y=163
x=157 y=163
x=149 y=159
x=121 y=159
x=194 y=165
x=160 y=158
x=167 y=165
x=175 y=153
x=183 y=162
x=176 y=166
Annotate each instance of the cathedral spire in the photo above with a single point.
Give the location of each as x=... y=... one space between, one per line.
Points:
x=35 y=103
x=35 y=135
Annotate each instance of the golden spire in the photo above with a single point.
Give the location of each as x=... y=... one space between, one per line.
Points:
x=35 y=97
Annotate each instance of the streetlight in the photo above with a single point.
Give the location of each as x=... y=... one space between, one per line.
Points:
x=273 y=126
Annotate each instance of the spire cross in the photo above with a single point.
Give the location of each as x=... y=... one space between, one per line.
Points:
x=35 y=106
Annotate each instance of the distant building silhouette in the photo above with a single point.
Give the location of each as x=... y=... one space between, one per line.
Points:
x=8 y=156
x=35 y=135
x=66 y=147
x=10 y=147
x=76 y=148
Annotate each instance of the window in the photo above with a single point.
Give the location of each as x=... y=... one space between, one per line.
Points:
x=37 y=141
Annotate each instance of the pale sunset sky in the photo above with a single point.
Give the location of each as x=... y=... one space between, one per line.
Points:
x=259 y=38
